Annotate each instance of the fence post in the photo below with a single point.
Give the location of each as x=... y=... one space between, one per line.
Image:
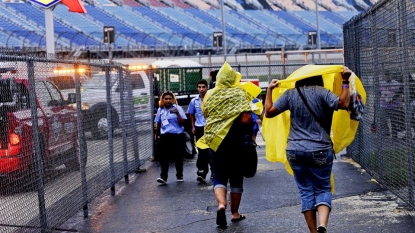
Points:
x=246 y=64
x=133 y=127
x=37 y=142
x=81 y=141
x=110 y=130
x=123 y=125
x=269 y=67
x=403 y=37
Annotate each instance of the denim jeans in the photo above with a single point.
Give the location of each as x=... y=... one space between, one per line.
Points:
x=312 y=172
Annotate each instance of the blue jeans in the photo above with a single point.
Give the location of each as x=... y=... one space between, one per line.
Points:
x=312 y=172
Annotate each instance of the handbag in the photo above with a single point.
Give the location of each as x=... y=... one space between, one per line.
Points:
x=356 y=105
x=249 y=158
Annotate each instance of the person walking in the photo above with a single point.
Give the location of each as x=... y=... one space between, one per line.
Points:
x=228 y=123
x=212 y=76
x=309 y=148
x=170 y=119
x=391 y=105
x=198 y=122
x=257 y=116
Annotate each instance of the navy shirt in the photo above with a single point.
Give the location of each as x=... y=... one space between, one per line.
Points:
x=306 y=134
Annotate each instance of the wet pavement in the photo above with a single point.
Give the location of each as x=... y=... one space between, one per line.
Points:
x=270 y=203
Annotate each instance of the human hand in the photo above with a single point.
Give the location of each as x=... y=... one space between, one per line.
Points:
x=346 y=73
x=273 y=84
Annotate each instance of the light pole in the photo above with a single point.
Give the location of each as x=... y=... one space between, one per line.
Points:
x=318 y=34
x=223 y=30
x=50 y=40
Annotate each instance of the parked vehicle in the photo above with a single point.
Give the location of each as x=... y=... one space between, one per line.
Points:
x=57 y=126
x=94 y=96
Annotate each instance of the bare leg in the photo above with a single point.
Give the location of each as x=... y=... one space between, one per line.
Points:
x=220 y=194
x=323 y=215
x=235 y=201
x=310 y=218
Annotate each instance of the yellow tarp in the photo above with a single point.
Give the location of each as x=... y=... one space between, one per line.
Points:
x=343 y=129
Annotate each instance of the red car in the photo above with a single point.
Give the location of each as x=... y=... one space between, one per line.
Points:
x=57 y=127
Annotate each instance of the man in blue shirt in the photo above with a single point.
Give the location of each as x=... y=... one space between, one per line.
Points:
x=198 y=124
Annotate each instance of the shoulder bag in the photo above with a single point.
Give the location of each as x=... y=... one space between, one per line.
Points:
x=249 y=158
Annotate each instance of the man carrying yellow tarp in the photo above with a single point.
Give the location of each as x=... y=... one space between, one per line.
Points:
x=306 y=130
x=227 y=109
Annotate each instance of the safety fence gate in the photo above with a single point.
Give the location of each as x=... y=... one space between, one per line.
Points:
x=379 y=45
x=68 y=132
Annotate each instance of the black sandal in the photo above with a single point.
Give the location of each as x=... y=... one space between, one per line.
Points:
x=241 y=217
x=221 y=218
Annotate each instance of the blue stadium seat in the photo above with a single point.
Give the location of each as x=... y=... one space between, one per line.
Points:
x=243 y=38
x=8 y=40
x=255 y=30
x=61 y=30
x=161 y=26
x=177 y=34
x=121 y=27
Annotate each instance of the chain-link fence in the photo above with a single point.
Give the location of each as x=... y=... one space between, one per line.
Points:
x=379 y=47
x=68 y=131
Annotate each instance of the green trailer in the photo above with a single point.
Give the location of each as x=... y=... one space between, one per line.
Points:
x=178 y=76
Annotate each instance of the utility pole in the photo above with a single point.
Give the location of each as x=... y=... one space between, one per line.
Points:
x=223 y=29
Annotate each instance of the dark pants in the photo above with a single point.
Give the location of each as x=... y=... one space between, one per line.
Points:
x=396 y=118
x=227 y=165
x=203 y=157
x=171 y=150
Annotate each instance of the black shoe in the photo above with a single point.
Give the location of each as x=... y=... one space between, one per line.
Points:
x=221 y=218
x=201 y=180
x=321 y=229
x=180 y=179
x=161 y=180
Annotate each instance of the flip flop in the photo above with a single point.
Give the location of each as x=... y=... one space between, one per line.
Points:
x=221 y=218
x=241 y=217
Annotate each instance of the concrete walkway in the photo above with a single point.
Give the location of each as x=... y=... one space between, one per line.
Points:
x=270 y=203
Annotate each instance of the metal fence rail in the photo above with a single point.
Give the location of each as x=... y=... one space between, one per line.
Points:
x=93 y=41
x=377 y=44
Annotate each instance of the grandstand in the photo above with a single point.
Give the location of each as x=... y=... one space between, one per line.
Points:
x=183 y=26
